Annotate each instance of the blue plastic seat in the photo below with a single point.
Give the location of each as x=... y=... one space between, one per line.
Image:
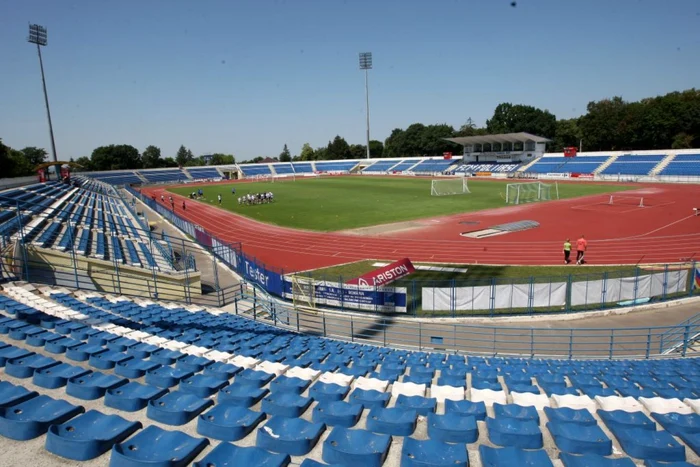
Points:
x=177 y=408
x=327 y=392
x=518 y=412
x=676 y=423
x=293 y=436
x=594 y=391
x=82 y=352
x=222 y=370
x=166 y=356
x=142 y=350
x=57 y=376
x=25 y=367
x=692 y=440
x=88 y=436
x=422 y=405
x=580 y=439
x=92 y=386
x=510 y=432
x=593 y=460
x=427 y=453
x=156 y=447
x=393 y=421
x=648 y=444
x=227 y=454
x=11 y=394
x=202 y=385
x=453 y=428
x=524 y=388
x=313 y=463
x=510 y=456
x=567 y=415
x=245 y=396
x=652 y=463
x=228 y=422
x=355 y=447
x=107 y=359
x=132 y=396
x=369 y=398
x=31 y=418
x=337 y=413
x=135 y=368
x=167 y=376
x=626 y=420
x=419 y=379
x=288 y=405
x=289 y=385
x=11 y=352
x=253 y=378
x=455 y=381
x=59 y=346
x=474 y=409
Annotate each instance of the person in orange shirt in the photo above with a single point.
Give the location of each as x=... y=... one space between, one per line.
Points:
x=581 y=247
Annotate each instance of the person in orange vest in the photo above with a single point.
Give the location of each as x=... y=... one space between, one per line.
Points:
x=581 y=247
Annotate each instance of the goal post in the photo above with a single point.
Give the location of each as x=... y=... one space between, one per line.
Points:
x=303 y=292
x=449 y=186
x=529 y=192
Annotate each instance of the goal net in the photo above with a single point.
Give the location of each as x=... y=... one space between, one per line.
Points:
x=449 y=186
x=626 y=201
x=303 y=292
x=519 y=193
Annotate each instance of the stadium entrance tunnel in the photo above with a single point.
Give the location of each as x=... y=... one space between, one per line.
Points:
x=501 y=229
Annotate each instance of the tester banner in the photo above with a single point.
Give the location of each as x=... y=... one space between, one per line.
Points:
x=386 y=274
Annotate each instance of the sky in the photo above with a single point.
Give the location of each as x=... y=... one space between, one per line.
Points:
x=246 y=77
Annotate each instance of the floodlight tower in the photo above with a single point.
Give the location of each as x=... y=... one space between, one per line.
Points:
x=38 y=36
x=366 y=64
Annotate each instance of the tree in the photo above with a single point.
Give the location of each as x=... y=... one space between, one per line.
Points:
x=183 y=156
x=307 y=153
x=116 y=157
x=222 y=159
x=376 y=148
x=169 y=162
x=85 y=163
x=509 y=118
x=151 y=158
x=285 y=156
x=682 y=141
x=357 y=151
x=35 y=156
x=338 y=148
x=567 y=134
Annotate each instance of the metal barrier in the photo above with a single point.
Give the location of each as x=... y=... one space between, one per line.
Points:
x=533 y=342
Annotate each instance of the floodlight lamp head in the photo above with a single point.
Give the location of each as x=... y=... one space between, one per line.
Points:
x=37 y=35
x=365 y=60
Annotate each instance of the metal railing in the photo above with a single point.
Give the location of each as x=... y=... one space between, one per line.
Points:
x=533 y=342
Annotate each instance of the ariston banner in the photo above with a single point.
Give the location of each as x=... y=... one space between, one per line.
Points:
x=385 y=275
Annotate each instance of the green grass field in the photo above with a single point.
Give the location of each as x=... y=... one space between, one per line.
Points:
x=476 y=272
x=337 y=203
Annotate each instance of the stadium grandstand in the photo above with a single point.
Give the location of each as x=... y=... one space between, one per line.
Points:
x=111 y=354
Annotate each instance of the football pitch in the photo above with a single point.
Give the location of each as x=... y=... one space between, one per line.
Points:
x=329 y=204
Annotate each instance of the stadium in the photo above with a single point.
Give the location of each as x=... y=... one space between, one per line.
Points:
x=512 y=300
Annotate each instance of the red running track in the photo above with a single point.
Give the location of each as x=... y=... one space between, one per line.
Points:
x=664 y=231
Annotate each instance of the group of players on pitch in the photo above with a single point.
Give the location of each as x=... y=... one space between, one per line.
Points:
x=256 y=198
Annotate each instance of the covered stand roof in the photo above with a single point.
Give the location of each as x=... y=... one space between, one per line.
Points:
x=505 y=138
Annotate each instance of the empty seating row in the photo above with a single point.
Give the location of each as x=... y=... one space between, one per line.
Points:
x=203 y=172
x=252 y=170
x=282 y=169
x=299 y=407
x=433 y=166
x=335 y=166
x=170 y=175
x=381 y=166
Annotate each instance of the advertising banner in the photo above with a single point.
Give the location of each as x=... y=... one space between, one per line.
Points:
x=386 y=274
x=268 y=280
x=378 y=299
